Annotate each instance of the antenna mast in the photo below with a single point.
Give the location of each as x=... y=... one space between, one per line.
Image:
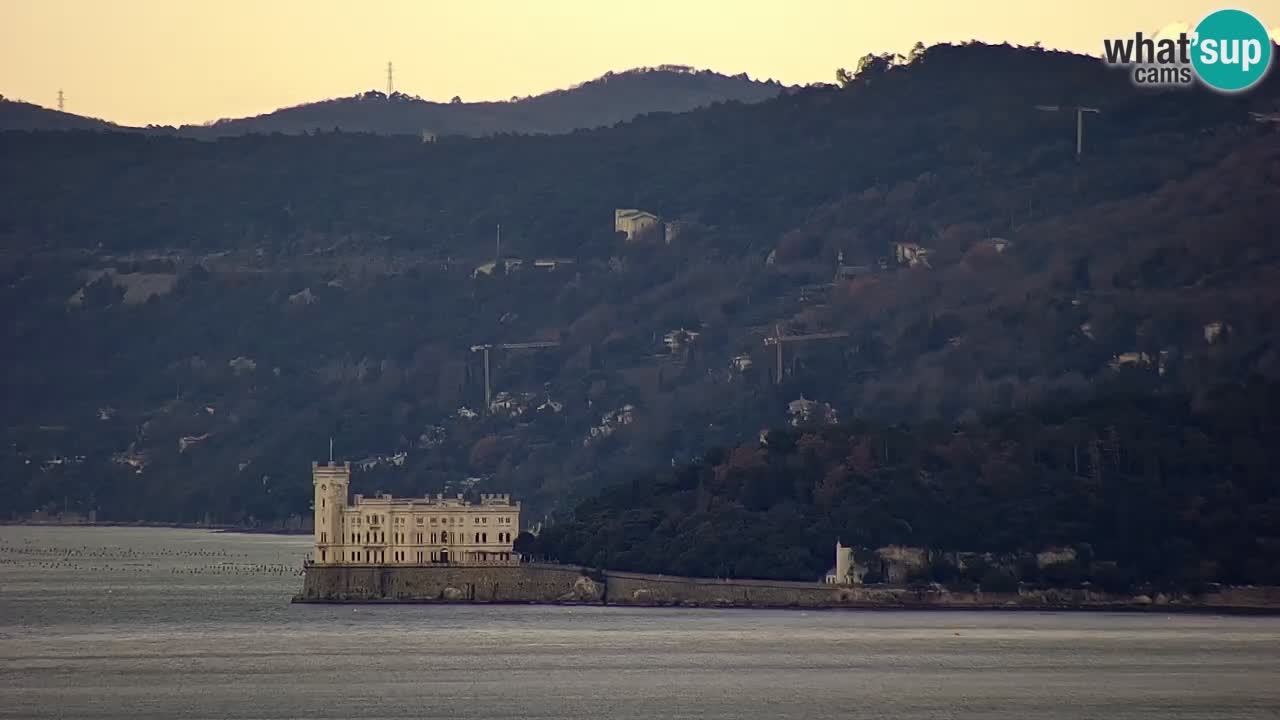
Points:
x=390 y=85
x=60 y=101
x=330 y=449
x=497 y=252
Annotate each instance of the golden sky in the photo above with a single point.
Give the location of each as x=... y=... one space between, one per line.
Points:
x=189 y=61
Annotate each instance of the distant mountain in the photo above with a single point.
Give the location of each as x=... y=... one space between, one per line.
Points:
x=18 y=115
x=612 y=98
x=609 y=99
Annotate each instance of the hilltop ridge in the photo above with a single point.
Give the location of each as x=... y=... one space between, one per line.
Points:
x=603 y=101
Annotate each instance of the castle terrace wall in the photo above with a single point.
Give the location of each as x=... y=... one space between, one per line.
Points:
x=524 y=584
x=567 y=584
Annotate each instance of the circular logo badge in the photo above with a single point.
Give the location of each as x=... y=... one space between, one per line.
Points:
x=1232 y=50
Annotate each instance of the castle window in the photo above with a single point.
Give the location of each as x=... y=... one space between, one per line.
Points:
x=324 y=538
x=419 y=520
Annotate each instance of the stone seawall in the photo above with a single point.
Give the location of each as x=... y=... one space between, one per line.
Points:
x=524 y=584
x=563 y=584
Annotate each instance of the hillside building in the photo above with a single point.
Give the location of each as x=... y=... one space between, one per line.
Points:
x=509 y=265
x=637 y=224
x=911 y=254
x=385 y=530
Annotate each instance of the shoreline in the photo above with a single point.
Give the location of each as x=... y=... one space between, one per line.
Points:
x=541 y=584
x=1131 y=609
x=157 y=525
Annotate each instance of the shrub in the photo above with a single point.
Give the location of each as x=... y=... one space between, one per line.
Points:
x=942 y=570
x=1066 y=573
x=999 y=580
x=1112 y=578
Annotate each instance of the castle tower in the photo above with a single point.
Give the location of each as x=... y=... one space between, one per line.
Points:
x=331 y=482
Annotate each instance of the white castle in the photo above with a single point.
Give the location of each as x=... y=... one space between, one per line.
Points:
x=409 y=531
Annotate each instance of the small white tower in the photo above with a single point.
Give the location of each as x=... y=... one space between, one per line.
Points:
x=844 y=562
x=844 y=572
x=331 y=482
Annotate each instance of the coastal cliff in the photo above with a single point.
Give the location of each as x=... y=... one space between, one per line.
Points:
x=566 y=584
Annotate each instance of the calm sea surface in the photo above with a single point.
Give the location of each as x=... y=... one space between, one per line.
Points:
x=147 y=623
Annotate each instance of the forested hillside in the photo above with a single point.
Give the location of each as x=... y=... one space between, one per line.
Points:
x=604 y=101
x=1154 y=489
x=191 y=321
x=18 y=115
x=610 y=99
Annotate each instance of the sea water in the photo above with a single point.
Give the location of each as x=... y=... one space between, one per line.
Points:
x=161 y=623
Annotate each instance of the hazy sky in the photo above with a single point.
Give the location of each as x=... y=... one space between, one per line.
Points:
x=188 y=61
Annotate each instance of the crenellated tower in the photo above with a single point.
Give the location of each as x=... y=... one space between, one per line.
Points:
x=331 y=482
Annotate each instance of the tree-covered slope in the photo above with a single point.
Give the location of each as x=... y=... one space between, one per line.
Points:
x=1169 y=490
x=18 y=115
x=192 y=320
x=610 y=99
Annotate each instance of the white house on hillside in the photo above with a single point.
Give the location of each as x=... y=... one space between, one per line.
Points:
x=635 y=223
